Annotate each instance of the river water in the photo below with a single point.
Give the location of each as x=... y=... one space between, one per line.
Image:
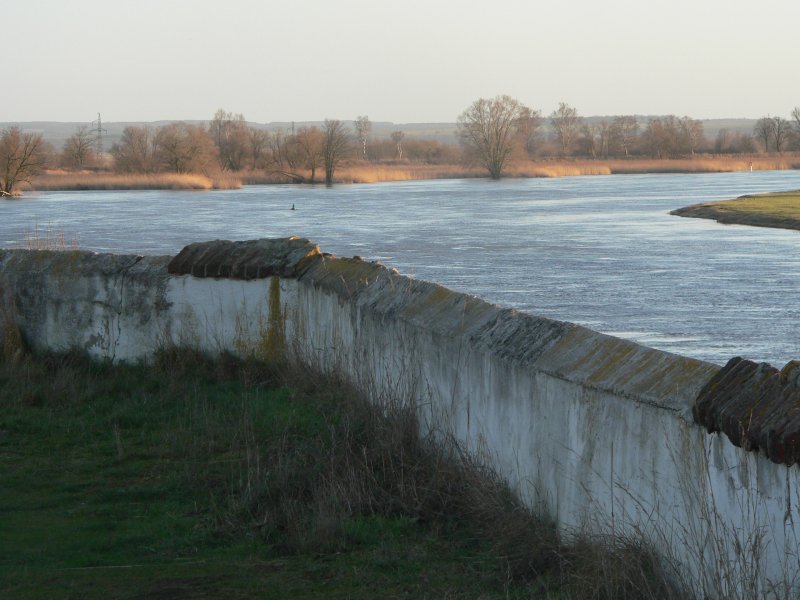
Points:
x=600 y=251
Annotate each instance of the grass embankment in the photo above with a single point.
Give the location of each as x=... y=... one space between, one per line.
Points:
x=780 y=210
x=193 y=478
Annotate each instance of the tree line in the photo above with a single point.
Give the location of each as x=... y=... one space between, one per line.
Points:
x=230 y=144
x=490 y=133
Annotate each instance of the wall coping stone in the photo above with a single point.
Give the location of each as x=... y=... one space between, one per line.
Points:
x=252 y=259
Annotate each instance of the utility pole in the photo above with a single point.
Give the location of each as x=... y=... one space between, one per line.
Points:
x=99 y=136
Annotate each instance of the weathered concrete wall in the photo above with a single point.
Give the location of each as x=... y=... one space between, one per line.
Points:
x=596 y=431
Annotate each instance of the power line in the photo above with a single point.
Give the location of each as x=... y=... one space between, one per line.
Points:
x=99 y=135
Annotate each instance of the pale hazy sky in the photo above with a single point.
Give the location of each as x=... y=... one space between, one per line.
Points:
x=401 y=61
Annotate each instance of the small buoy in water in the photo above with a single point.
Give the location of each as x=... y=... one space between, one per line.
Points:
x=292 y=206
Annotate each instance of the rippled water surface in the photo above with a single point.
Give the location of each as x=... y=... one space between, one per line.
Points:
x=600 y=251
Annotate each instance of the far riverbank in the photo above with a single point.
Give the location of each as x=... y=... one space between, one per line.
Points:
x=365 y=172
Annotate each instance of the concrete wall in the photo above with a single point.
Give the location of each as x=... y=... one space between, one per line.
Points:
x=596 y=431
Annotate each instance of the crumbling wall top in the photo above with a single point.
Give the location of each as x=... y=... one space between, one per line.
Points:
x=252 y=259
x=756 y=406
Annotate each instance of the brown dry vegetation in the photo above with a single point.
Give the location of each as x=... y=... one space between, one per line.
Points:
x=89 y=180
x=697 y=164
x=366 y=172
x=704 y=164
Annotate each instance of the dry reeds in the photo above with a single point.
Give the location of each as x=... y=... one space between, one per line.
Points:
x=377 y=173
x=365 y=172
x=47 y=239
x=80 y=181
x=715 y=164
x=558 y=169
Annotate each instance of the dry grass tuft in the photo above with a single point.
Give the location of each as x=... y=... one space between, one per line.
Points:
x=48 y=239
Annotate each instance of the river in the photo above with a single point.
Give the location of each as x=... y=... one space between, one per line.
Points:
x=600 y=251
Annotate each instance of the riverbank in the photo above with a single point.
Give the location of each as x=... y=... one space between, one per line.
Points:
x=779 y=210
x=364 y=172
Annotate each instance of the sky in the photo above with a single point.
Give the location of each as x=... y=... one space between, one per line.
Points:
x=405 y=61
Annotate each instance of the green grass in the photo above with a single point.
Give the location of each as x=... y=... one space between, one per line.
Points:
x=193 y=478
x=131 y=482
x=779 y=209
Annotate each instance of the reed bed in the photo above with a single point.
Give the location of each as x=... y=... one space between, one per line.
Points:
x=363 y=172
x=366 y=173
x=716 y=164
x=560 y=170
x=371 y=173
x=87 y=180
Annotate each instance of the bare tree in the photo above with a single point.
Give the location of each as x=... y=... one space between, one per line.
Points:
x=660 y=137
x=78 y=150
x=565 y=122
x=229 y=133
x=22 y=155
x=781 y=129
x=763 y=131
x=335 y=144
x=184 y=148
x=796 y=126
x=624 y=130
x=363 y=126
x=691 y=131
x=604 y=137
x=135 y=152
x=528 y=126
x=277 y=145
x=310 y=141
x=258 y=140
x=487 y=129
x=733 y=142
x=397 y=138
x=588 y=141
x=594 y=140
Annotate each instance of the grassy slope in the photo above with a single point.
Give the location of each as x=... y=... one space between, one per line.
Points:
x=128 y=483
x=781 y=210
x=197 y=478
